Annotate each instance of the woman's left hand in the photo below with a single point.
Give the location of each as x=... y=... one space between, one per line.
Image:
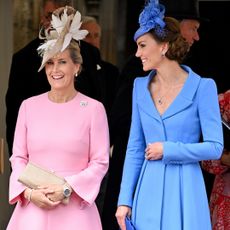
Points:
x=121 y=213
x=154 y=151
x=56 y=195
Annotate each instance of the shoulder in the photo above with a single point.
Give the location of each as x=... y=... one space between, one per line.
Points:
x=30 y=47
x=199 y=84
x=27 y=59
x=207 y=87
x=90 y=103
x=111 y=72
x=34 y=103
x=87 y=48
x=109 y=66
x=207 y=82
x=143 y=81
x=41 y=98
x=204 y=81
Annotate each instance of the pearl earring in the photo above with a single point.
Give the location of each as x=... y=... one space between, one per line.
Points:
x=76 y=74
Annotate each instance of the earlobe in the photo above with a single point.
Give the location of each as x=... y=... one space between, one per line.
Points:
x=164 y=49
x=78 y=68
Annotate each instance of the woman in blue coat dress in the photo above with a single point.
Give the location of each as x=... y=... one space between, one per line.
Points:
x=162 y=185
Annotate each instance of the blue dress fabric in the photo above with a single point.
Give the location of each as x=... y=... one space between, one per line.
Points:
x=169 y=194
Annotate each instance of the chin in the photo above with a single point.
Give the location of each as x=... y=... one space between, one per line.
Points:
x=146 y=69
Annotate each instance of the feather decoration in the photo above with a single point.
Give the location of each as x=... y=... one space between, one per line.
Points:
x=75 y=27
x=74 y=31
x=151 y=17
x=62 y=31
x=57 y=23
x=46 y=46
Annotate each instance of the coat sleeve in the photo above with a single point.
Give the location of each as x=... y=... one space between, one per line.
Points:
x=87 y=183
x=210 y=122
x=134 y=156
x=19 y=158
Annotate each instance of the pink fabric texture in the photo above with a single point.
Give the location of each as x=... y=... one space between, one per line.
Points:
x=70 y=139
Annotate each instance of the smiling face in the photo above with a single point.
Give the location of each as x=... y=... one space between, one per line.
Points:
x=60 y=71
x=150 y=51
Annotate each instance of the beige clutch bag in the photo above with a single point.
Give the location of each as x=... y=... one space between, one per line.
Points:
x=33 y=176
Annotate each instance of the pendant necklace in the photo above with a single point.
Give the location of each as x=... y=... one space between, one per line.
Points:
x=160 y=100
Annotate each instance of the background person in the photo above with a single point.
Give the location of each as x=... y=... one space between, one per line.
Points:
x=59 y=131
x=220 y=196
x=162 y=184
x=110 y=76
x=109 y=80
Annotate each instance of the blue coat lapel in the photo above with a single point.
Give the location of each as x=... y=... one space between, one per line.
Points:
x=145 y=101
x=185 y=98
x=181 y=102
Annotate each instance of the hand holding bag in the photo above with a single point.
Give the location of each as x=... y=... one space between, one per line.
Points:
x=33 y=176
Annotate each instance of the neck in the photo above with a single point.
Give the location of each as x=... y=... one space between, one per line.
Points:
x=171 y=76
x=61 y=97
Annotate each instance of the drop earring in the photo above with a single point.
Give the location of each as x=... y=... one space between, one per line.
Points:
x=76 y=74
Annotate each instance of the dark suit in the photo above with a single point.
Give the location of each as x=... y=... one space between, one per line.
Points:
x=24 y=81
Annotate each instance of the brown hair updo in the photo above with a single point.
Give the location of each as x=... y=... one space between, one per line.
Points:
x=178 y=47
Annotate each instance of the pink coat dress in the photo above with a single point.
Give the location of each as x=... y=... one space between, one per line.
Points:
x=70 y=139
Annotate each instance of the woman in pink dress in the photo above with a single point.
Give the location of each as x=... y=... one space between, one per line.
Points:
x=62 y=131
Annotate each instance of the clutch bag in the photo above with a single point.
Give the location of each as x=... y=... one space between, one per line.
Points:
x=33 y=176
x=128 y=223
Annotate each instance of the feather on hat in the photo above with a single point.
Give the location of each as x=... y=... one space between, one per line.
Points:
x=63 y=30
x=151 y=17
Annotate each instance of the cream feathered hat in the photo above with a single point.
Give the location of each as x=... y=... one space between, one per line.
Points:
x=65 y=26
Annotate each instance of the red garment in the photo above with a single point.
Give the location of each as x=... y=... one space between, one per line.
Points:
x=220 y=196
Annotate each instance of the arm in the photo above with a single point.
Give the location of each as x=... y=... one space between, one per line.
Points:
x=19 y=158
x=217 y=166
x=211 y=127
x=134 y=157
x=225 y=158
x=86 y=184
x=17 y=191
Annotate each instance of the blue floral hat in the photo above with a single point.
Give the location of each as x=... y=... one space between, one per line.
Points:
x=151 y=18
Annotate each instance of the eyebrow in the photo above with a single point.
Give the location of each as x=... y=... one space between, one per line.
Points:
x=142 y=41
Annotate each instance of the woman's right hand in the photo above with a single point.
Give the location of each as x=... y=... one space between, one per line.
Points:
x=121 y=213
x=39 y=198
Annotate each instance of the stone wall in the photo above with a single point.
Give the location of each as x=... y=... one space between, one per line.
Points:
x=26 y=17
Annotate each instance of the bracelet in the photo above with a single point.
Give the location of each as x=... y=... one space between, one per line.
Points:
x=30 y=194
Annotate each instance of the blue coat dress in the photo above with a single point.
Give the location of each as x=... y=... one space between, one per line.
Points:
x=169 y=194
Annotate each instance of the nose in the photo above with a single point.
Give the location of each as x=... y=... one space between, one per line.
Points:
x=137 y=54
x=55 y=67
x=196 y=36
